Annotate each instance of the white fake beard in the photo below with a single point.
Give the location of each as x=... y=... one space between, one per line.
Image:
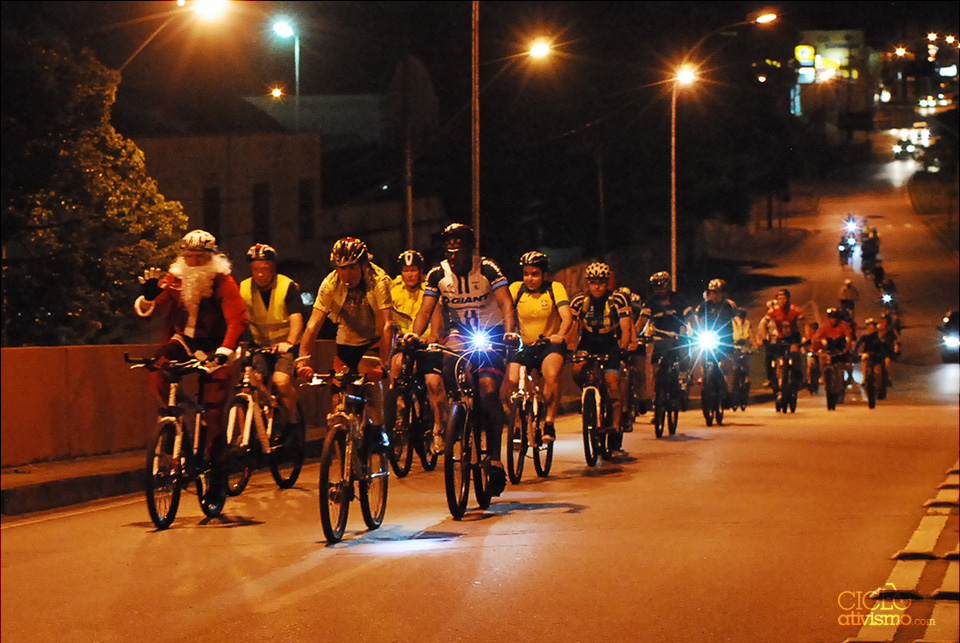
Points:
x=197 y=281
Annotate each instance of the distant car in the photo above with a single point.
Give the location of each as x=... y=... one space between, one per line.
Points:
x=950 y=336
x=904 y=149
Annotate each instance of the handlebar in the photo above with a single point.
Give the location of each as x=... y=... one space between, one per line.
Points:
x=185 y=367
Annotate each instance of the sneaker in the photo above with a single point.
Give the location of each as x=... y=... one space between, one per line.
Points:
x=497 y=481
x=437 y=446
x=549 y=433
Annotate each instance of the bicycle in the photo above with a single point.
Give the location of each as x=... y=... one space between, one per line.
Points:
x=714 y=388
x=600 y=438
x=350 y=455
x=465 y=442
x=740 y=386
x=787 y=382
x=175 y=458
x=525 y=430
x=668 y=393
x=255 y=408
x=833 y=369
x=874 y=377
x=409 y=416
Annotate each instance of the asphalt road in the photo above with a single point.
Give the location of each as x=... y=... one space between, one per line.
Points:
x=765 y=529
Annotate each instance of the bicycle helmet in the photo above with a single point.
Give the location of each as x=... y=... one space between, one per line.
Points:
x=459 y=231
x=833 y=313
x=598 y=270
x=199 y=240
x=660 y=279
x=410 y=258
x=535 y=259
x=261 y=252
x=870 y=321
x=718 y=285
x=348 y=251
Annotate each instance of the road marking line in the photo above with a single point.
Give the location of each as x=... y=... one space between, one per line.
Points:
x=950 y=589
x=880 y=626
x=81 y=512
x=924 y=539
x=944 y=623
x=903 y=580
x=955 y=468
x=945 y=498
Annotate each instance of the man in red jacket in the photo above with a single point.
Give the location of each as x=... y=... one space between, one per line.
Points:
x=203 y=317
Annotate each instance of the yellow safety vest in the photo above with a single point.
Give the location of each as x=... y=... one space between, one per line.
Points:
x=269 y=325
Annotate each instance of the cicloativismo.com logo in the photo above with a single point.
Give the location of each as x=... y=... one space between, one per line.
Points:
x=884 y=606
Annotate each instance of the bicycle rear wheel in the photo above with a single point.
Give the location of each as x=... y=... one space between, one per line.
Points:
x=335 y=485
x=517 y=440
x=163 y=478
x=590 y=426
x=288 y=447
x=401 y=453
x=659 y=412
x=374 y=487
x=457 y=461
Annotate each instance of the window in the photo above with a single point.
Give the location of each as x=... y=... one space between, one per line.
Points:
x=260 y=198
x=211 y=211
x=305 y=207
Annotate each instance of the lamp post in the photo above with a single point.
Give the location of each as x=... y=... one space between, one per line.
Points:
x=284 y=29
x=685 y=75
x=539 y=49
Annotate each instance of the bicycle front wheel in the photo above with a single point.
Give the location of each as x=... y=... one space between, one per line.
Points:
x=163 y=478
x=457 y=459
x=240 y=463
x=334 y=484
x=288 y=448
x=373 y=488
x=401 y=409
x=517 y=440
x=590 y=426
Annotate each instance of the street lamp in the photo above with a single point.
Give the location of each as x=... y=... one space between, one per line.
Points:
x=686 y=74
x=284 y=29
x=205 y=10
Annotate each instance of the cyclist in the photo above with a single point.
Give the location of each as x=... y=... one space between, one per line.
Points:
x=848 y=296
x=203 y=313
x=276 y=321
x=543 y=310
x=835 y=334
x=601 y=319
x=473 y=296
x=357 y=296
x=664 y=311
x=716 y=314
x=872 y=343
x=635 y=358
x=786 y=318
x=407 y=295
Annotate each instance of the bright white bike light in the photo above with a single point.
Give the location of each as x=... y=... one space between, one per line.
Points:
x=708 y=340
x=480 y=340
x=887 y=298
x=952 y=341
x=851 y=226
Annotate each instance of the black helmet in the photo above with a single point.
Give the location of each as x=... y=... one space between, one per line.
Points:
x=410 y=258
x=718 y=285
x=261 y=252
x=459 y=231
x=348 y=251
x=660 y=279
x=535 y=259
x=834 y=313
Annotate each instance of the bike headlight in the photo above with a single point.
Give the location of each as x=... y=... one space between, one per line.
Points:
x=952 y=341
x=480 y=340
x=841 y=247
x=887 y=298
x=708 y=340
x=851 y=226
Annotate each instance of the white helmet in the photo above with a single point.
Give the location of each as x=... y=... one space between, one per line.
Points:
x=198 y=240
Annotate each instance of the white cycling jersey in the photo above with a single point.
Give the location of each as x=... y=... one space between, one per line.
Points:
x=468 y=301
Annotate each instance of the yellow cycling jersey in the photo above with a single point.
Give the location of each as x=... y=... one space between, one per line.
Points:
x=537 y=310
x=406 y=305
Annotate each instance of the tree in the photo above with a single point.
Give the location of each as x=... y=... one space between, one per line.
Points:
x=80 y=215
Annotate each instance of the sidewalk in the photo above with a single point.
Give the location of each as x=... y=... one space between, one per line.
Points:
x=50 y=485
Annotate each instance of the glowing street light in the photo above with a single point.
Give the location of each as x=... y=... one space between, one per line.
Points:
x=284 y=29
x=540 y=49
x=204 y=10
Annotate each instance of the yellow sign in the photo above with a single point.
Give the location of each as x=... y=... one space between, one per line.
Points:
x=805 y=53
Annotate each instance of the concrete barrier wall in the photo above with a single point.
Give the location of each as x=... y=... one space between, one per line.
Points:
x=73 y=401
